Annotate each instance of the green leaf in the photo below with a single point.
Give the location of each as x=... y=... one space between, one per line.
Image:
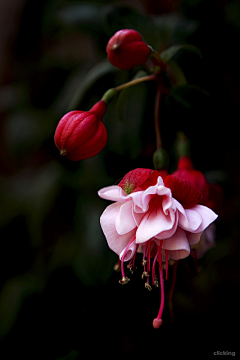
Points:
x=169 y=53
x=79 y=83
x=175 y=74
x=124 y=95
x=189 y=95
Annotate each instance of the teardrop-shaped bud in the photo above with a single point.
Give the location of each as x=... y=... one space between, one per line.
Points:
x=126 y=49
x=81 y=134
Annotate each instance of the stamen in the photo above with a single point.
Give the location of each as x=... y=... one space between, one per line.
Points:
x=124 y=278
x=148 y=286
x=117 y=266
x=145 y=274
x=166 y=262
x=144 y=262
x=157 y=322
x=154 y=277
x=131 y=265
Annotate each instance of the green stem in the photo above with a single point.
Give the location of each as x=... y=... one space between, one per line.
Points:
x=156 y=117
x=157 y=56
x=135 y=82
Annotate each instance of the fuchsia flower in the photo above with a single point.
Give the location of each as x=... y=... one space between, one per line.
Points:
x=126 y=49
x=81 y=134
x=156 y=217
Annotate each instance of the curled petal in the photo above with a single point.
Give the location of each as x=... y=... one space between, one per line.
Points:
x=113 y=193
x=207 y=215
x=129 y=253
x=108 y=218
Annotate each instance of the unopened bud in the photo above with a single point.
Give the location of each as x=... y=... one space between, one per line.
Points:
x=81 y=134
x=126 y=49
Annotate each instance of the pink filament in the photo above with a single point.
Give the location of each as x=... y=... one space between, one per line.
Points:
x=166 y=262
x=125 y=251
x=154 y=264
x=157 y=322
x=149 y=260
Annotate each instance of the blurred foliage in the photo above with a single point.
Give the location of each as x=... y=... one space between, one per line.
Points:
x=57 y=281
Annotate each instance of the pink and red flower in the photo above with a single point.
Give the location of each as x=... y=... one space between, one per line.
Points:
x=156 y=217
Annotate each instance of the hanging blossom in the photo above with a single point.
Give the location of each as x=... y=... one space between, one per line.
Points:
x=158 y=216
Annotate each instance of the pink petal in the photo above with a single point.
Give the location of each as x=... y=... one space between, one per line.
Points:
x=125 y=221
x=114 y=193
x=108 y=218
x=169 y=233
x=177 y=245
x=207 y=215
x=130 y=252
x=190 y=220
x=193 y=238
x=154 y=222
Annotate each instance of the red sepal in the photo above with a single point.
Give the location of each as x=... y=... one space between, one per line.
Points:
x=138 y=180
x=183 y=191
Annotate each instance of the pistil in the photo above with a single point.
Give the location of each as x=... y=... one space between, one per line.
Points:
x=157 y=322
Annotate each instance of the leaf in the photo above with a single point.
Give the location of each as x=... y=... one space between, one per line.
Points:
x=79 y=83
x=175 y=74
x=124 y=95
x=169 y=53
x=173 y=28
x=189 y=95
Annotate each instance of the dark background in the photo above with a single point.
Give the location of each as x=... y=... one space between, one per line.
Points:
x=60 y=298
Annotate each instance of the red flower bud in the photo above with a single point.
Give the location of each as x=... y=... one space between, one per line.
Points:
x=81 y=134
x=186 y=171
x=126 y=49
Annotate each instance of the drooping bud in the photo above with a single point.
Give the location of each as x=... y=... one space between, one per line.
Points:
x=81 y=134
x=126 y=49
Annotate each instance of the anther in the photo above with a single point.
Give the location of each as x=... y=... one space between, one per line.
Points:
x=124 y=280
x=117 y=267
x=148 y=286
x=145 y=274
x=156 y=281
x=131 y=268
x=143 y=262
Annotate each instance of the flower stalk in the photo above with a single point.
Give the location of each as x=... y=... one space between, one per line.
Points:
x=135 y=82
